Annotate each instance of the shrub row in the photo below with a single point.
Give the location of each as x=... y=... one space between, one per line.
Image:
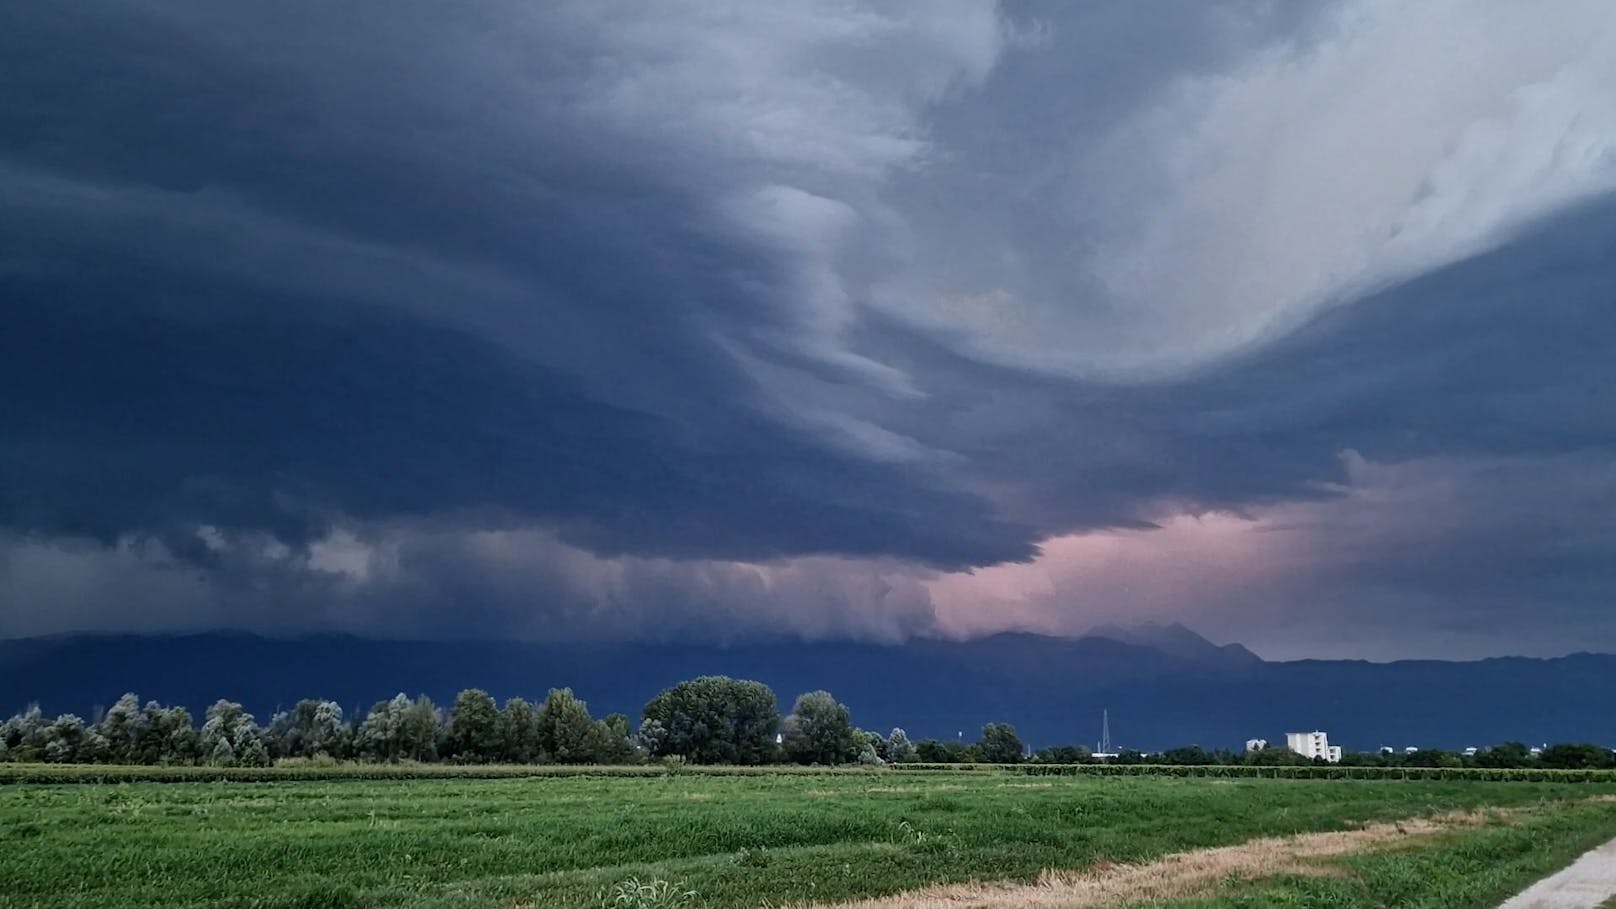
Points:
x=98 y=773
x=1315 y=772
x=136 y=773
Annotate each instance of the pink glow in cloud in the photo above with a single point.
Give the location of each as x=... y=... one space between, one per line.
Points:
x=1186 y=568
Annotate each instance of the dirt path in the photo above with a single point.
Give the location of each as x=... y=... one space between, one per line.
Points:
x=1586 y=884
x=1171 y=877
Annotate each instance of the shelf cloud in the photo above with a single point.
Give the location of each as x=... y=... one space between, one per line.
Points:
x=704 y=320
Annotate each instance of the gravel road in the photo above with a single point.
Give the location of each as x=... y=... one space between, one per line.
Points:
x=1585 y=884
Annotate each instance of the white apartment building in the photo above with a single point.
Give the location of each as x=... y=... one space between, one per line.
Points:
x=1313 y=744
x=1256 y=744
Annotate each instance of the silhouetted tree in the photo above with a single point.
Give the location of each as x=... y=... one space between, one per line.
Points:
x=309 y=729
x=1574 y=757
x=521 y=737
x=169 y=736
x=123 y=726
x=613 y=742
x=1000 y=744
x=819 y=731
x=1187 y=756
x=64 y=739
x=400 y=730
x=476 y=734
x=713 y=720
x=566 y=731
x=1274 y=756
x=1061 y=754
x=231 y=737
x=1507 y=755
x=23 y=735
x=899 y=748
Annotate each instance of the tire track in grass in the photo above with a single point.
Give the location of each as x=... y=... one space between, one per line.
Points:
x=1175 y=876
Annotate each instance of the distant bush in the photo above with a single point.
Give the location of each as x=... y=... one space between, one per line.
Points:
x=317 y=761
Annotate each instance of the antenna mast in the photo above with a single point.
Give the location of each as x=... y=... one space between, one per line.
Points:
x=1105 y=731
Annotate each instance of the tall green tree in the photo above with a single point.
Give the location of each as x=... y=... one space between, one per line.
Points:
x=1273 y=756
x=1508 y=754
x=1062 y=754
x=820 y=731
x=713 y=720
x=64 y=740
x=311 y=728
x=899 y=748
x=614 y=741
x=566 y=730
x=1567 y=756
x=521 y=724
x=1000 y=744
x=476 y=732
x=169 y=736
x=230 y=736
x=400 y=730
x=122 y=726
x=422 y=730
x=24 y=735
x=380 y=736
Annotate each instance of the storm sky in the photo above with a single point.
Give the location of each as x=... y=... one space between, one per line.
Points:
x=708 y=321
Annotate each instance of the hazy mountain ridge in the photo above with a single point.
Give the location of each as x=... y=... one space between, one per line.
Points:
x=1052 y=689
x=1178 y=640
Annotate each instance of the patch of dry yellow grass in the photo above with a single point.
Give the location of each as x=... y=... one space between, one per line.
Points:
x=1174 y=876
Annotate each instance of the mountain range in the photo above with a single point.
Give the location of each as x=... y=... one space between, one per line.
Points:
x=1163 y=686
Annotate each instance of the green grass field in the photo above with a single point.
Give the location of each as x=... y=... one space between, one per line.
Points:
x=1468 y=869
x=733 y=840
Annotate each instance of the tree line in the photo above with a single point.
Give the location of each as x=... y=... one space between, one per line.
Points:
x=708 y=720
x=999 y=745
x=1507 y=755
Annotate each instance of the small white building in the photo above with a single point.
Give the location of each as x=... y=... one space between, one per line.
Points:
x=1255 y=745
x=1313 y=744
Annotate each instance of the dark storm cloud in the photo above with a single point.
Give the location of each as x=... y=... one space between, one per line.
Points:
x=258 y=284
x=561 y=312
x=138 y=423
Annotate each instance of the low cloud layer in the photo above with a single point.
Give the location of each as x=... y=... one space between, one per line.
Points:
x=707 y=321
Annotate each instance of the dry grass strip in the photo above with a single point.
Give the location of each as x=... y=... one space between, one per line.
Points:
x=1176 y=876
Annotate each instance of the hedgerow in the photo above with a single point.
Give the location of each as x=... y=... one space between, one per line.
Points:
x=308 y=772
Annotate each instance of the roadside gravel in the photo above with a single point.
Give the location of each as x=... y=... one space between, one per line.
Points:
x=1586 y=884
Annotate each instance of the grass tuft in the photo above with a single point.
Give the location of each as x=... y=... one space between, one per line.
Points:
x=652 y=894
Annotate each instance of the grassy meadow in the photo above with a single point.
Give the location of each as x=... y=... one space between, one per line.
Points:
x=1468 y=868
x=732 y=841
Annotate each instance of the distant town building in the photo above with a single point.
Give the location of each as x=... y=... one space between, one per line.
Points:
x=1411 y=750
x=1255 y=745
x=1471 y=751
x=1313 y=744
